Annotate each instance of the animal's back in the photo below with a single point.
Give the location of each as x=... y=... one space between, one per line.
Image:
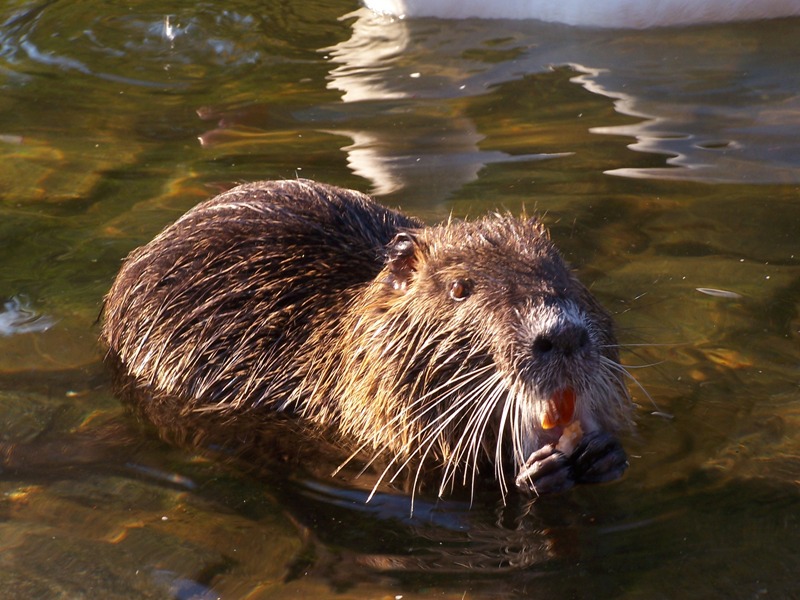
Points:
x=210 y=309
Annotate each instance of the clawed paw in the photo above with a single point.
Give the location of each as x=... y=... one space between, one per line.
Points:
x=599 y=457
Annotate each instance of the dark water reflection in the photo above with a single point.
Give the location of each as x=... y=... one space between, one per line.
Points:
x=666 y=163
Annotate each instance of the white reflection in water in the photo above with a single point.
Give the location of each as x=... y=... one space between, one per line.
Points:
x=719 y=102
x=609 y=13
x=18 y=317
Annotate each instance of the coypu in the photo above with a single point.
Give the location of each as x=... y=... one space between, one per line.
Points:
x=459 y=352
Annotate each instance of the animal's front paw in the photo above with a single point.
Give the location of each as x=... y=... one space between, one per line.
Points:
x=599 y=457
x=547 y=471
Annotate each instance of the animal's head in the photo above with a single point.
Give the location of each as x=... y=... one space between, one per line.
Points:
x=476 y=346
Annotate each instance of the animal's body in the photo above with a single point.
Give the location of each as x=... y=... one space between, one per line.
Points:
x=460 y=351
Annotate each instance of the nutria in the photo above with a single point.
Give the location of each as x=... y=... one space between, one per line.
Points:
x=458 y=353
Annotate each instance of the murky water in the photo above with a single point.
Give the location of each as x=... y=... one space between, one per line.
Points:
x=667 y=164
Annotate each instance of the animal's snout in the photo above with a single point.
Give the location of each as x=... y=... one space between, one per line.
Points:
x=565 y=339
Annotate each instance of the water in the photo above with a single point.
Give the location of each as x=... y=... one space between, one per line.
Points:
x=666 y=163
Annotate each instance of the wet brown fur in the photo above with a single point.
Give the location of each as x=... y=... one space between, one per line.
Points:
x=308 y=299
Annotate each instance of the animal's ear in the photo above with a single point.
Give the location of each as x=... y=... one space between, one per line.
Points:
x=401 y=258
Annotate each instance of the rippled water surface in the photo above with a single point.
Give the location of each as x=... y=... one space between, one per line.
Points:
x=666 y=163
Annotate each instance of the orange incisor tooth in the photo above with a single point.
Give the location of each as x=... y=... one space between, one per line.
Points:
x=563 y=409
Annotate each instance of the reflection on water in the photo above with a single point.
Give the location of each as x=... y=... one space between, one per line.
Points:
x=18 y=317
x=613 y=13
x=665 y=162
x=710 y=106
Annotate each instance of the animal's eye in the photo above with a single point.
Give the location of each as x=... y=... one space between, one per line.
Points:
x=460 y=289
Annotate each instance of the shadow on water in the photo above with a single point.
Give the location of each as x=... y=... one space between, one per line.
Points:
x=588 y=544
x=596 y=541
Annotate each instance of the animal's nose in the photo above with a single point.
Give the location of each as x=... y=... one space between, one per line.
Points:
x=565 y=339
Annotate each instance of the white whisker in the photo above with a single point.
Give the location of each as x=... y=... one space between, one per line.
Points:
x=425 y=437
x=619 y=368
x=478 y=419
